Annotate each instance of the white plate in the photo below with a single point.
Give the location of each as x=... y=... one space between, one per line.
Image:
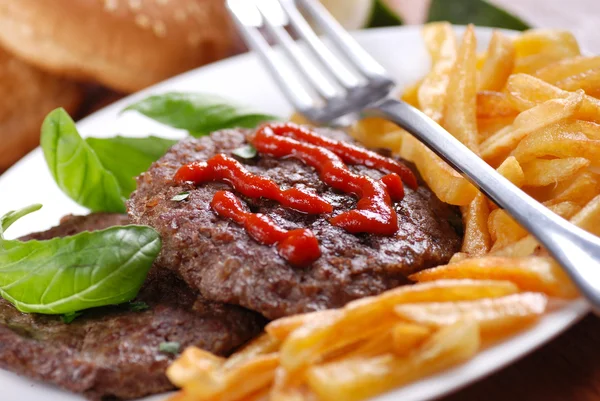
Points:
x=241 y=78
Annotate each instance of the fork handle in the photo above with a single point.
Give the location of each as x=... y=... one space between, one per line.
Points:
x=573 y=248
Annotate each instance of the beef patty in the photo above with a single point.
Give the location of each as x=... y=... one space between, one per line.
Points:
x=113 y=352
x=217 y=256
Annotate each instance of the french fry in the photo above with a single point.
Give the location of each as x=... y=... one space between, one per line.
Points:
x=587 y=218
x=245 y=379
x=589 y=82
x=378 y=344
x=536 y=48
x=541 y=172
x=459 y=116
x=504 y=229
x=574 y=73
x=494 y=112
x=309 y=343
x=499 y=63
x=490 y=126
x=525 y=91
x=498 y=146
x=298 y=118
x=496 y=317
x=262 y=345
x=492 y=104
x=441 y=44
x=288 y=387
x=475 y=216
x=281 y=328
x=512 y=170
x=374 y=132
x=192 y=364
x=411 y=93
x=558 y=141
x=407 y=336
x=580 y=191
x=566 y=210
x=567 y=68
x=536 y=274
x=445 y=182
x=360 y=378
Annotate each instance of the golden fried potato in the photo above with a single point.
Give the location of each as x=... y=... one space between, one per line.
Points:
x=477 y=240
x=496 y=317
x=574 y=73
x=374 y=132
x=541 y=172
x=363 y=317
x=191 y=365
x=512 y=170
x=262 y=345
x=492 y=104
x=504 y=229
x=281 y=328
x=525 y=91
x=537 y=274
x=498 y=146
x=536 y=48
x=245 y=379
x=444 y=181
x=587 y=218
x=441 y=44
x=407 y=336
x=360 y=378
x=499 y=63
x=558 y=141
x=289 y=387
x=580 y=190
x=411 y=94
x=459 y=116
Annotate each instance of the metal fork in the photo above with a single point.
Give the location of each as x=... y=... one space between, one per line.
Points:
x=342 y=92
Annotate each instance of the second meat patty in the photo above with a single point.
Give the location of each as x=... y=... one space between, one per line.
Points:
x=218 y=257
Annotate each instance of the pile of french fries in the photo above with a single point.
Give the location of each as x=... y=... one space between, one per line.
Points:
x=529 y=107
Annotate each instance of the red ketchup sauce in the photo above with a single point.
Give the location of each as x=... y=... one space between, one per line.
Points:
x=299 y=247
x=374 y=212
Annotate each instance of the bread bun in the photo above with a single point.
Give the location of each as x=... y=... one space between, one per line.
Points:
x=124 y=44
x=28 y=95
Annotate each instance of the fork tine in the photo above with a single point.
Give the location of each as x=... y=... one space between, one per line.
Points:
x=286 y=80
x=312 y=74
x=349 y=47
x=344 y=76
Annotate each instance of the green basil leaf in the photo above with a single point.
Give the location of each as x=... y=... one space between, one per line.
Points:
x=170 y=347
x=181 y=196
x=69 y=317
x=76 y=168
x=245 y=152
x=126 y=158
x=70 y=274
x=383 y=15
x=478 y=12
x=138 y=306
x=199 y=114
x=9 y=218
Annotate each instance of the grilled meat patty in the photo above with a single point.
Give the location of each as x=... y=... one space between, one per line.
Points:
x=217 y=256
x=113 y=352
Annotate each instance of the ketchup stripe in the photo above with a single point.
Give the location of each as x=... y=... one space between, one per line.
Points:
x=299 y=247
x=348 y=152
x=374 y=212
x=226 y=169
